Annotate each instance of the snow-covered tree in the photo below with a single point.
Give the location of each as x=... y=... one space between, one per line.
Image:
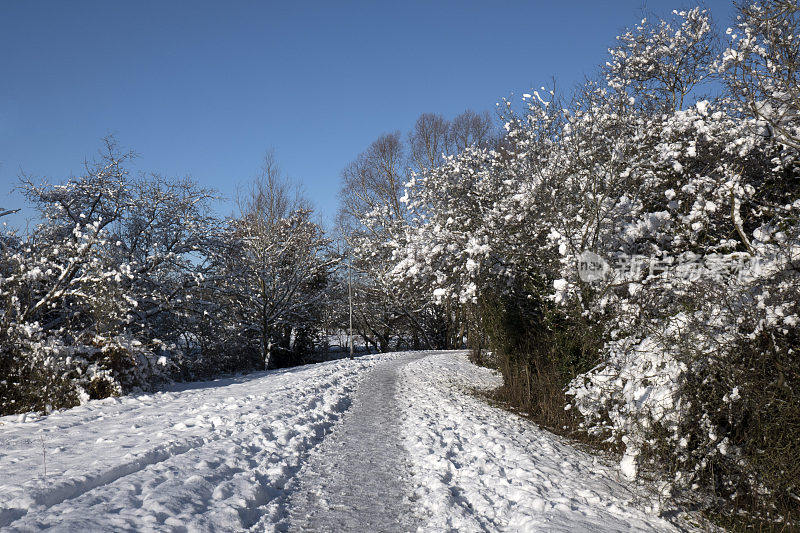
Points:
x=374 y=221
x=762 y=65
x=128 y=281
x=65 y=309
x=371 y=215
x=276 y=265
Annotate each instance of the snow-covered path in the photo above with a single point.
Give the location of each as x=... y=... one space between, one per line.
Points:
x=285 y=450
x=357 y=480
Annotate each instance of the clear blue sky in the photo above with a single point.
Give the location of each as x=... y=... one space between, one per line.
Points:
x=205 y=88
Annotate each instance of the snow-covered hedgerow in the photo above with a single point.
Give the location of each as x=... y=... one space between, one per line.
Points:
x=679 y=344
x=701 y=357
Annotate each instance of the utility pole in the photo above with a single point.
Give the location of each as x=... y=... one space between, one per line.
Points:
x=350 y=294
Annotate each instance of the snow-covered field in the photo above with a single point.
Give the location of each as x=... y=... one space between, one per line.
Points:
x=209 y=456
x=227 y=455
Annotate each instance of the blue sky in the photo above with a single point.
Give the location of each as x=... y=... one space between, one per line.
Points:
x=205 y=88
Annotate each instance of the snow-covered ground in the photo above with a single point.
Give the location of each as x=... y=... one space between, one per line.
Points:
x=238 y=453
x=358 y=479
x=480 y=468
x=208 y=456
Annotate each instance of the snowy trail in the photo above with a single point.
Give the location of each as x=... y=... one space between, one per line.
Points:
x=357 y=480
x=209 y=456
x=392 y=442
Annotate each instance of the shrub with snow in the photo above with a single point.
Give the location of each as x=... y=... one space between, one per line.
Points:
x=681 y=349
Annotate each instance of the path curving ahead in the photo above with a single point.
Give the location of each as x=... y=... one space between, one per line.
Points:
x=390 y=442
x=358 y=479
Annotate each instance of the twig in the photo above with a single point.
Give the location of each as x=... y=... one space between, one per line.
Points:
x=44 y=456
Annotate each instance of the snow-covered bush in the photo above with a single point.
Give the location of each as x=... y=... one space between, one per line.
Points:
x=706 y=393
x=695 y=371
x=65 y=301
x=680 y=346
x=128 y=282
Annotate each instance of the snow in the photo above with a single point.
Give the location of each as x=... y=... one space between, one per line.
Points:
x=358 y=479
x=478 y=468
x=283 y=450
x=628 y=466
x=208 y=456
